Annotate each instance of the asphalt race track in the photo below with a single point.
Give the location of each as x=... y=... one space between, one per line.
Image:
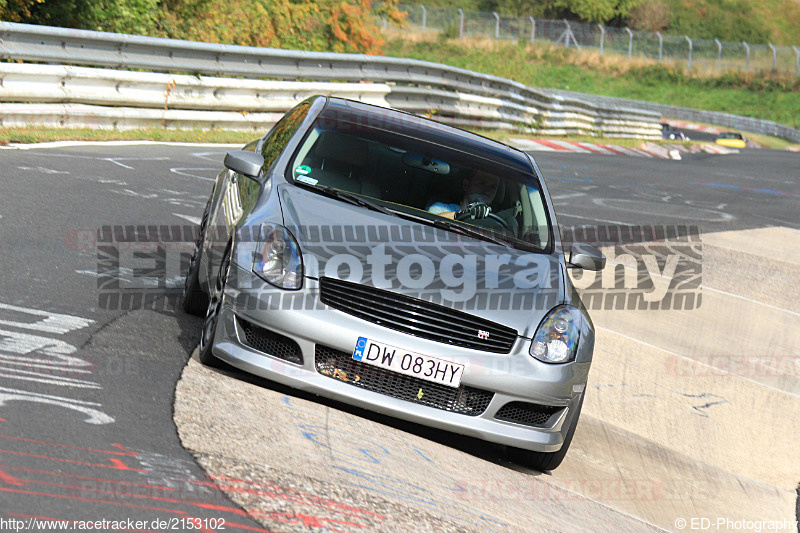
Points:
x=86 y=429
x=690 y=413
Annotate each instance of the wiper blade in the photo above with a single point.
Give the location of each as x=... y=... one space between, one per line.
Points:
x=445 y=223
x=363 y=202
x=438 y=222
x=352 y=198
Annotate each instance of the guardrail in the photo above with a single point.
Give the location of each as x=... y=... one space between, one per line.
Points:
x=738 y=122
x=454 y=95
x=68 y=95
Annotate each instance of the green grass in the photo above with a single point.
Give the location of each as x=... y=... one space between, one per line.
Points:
x=775 y=21
x=38 y=134
x=762 y=95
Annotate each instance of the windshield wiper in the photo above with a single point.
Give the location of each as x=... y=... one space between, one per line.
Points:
x=438 y=222
x=352 y=198
x=450 y=225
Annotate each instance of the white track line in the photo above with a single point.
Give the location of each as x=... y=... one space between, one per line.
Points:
x=193 y=220
x=593 y=218
x=180 y=172
x=695 y=361
x=61 y=144
x=775 y=307
x=712 y=289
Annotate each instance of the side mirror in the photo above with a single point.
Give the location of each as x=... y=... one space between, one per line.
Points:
x=586 y=256
x=244 y=162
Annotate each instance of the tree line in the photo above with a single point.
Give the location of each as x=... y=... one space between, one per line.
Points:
x=350 y=25
x=324 y=25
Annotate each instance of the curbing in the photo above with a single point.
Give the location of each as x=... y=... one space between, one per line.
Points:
x=648 y=149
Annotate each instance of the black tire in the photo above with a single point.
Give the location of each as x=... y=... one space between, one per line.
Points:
x=207 y=334
x=546 y=461
x=195 y=299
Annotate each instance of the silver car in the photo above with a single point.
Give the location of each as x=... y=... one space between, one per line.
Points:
x=400 y=265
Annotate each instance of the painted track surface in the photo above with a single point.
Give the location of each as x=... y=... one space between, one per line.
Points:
x=635 y=457
x=86 y=430
x=671 y=423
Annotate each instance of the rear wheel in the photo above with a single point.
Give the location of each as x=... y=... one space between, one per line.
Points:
x=212 y=315
x=544 y=461
x=195 y=299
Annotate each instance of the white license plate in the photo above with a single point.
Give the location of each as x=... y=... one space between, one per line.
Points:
x=409 y=363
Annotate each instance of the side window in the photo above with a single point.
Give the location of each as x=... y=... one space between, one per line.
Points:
x=539 y=227
x=279 y=136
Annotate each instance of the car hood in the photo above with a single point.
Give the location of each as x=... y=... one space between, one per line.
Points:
x=338 y=240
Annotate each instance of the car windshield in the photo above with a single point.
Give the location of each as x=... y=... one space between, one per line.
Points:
x=421 y=179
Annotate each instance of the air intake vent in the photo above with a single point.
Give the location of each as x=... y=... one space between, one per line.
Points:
x=271 y=343
x=529 y=414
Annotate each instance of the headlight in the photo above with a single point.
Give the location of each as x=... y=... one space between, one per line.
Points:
x=277 y=259
x=556 y=340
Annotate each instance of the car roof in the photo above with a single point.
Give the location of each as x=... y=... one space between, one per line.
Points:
x=371 y=116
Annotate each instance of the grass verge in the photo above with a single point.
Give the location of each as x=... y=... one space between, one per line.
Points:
x=39 y=134
x=765 y=95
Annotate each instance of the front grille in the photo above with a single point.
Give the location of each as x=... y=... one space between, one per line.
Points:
x=529 y=414
x=340 y=365
x=270 y=342
x=416 y=317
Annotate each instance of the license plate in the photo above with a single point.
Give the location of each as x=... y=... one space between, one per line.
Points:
x=409 y=363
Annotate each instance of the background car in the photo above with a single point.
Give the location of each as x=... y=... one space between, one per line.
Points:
x=668 y=132
x=732 y=139
x=321 y=264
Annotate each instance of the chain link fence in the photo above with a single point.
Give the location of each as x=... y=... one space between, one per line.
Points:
x=695 y=54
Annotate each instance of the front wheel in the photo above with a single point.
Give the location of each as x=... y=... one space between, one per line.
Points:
x=546 y=461
x=195 y=299
x=208 y=332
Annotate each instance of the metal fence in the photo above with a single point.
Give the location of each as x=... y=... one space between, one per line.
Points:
x=695 y=54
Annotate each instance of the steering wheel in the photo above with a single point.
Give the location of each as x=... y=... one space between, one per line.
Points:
x=492 y=217
x=498 y=219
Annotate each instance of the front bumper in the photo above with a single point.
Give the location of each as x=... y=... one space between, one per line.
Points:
x=298 y=315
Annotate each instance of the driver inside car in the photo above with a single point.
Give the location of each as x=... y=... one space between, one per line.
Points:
x=479 y=192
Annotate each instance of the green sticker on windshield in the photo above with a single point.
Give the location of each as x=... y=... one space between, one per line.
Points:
x=303 y=169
